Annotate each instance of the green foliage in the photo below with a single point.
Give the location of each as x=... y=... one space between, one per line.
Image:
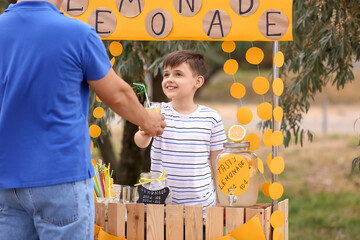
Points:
x=139 y=57
x=326 y=42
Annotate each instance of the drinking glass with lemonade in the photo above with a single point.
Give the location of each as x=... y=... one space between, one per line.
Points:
x=153 y=106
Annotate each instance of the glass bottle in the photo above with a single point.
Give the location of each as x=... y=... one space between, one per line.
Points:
x=235 y=185
x=153 y=184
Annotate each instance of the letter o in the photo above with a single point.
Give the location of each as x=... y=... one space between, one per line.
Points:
x=158 y=23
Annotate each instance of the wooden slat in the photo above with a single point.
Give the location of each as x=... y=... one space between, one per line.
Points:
x=100 y=214
x=116 y=219
x=214 y=224
x=251 y=212
x=267 y=226
x=234 y=218
x=175 y=222
x=193 y=223
x=155 y=222
x=135 y=221
x=284 y=208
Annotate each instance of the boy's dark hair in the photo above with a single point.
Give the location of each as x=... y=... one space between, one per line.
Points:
x=195 y=60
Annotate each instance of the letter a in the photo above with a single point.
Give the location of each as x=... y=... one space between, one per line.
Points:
x=217 y=13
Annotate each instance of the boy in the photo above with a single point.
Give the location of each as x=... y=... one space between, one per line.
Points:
x=194 y=134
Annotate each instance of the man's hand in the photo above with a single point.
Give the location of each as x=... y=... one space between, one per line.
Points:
x=120 y=97
x=154 y=125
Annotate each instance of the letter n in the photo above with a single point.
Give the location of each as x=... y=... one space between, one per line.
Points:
x=190 y=6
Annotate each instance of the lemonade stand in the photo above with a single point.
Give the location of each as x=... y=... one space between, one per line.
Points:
x=239 y=217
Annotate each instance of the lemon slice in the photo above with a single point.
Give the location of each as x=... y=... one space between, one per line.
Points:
x=236 y=133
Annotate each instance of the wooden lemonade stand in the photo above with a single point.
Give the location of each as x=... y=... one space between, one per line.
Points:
x=177 y=222
x=201 y=20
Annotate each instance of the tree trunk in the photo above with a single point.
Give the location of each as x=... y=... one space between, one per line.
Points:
x=157 y=92
x=131 y=157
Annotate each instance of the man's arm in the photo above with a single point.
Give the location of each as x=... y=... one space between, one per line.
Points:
x=120 y=97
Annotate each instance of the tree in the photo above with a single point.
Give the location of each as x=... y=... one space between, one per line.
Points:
x=326 y=42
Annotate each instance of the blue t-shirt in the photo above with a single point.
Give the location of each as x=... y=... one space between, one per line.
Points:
x=46 y=60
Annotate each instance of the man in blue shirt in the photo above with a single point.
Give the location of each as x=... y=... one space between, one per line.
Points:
x=47 y=62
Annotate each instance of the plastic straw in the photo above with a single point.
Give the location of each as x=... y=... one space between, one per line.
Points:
x=141 y=85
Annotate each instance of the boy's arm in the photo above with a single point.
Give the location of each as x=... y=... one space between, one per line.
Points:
x=141 y=139
x=213 y=156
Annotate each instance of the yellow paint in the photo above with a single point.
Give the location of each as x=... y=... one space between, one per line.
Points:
x=190 y=28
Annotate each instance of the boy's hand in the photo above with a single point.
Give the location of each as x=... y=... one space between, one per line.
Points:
x=154 y=125
x=142 y=139
x=143 y=133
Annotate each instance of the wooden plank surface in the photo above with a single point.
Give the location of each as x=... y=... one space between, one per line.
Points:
x=251 y=212
x=155 y=222
x=267 y=225
x=193 y=222
x=234 y=218
x=214 y=224
x=284 y=208
x=135 y=221
x=175 y=222
x=100 y=214
x=116 y=219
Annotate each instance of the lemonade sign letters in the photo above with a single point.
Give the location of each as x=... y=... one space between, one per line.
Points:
x=233 y=173
x=226 y=20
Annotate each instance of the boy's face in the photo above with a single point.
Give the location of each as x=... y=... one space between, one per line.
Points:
x=180 y=82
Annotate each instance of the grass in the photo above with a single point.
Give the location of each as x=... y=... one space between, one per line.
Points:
x=324 y=201
x=322 y=215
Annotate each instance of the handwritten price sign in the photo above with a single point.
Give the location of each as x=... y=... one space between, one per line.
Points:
x=233 y=173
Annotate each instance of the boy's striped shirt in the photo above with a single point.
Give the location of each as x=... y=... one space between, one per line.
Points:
x=183 y=151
